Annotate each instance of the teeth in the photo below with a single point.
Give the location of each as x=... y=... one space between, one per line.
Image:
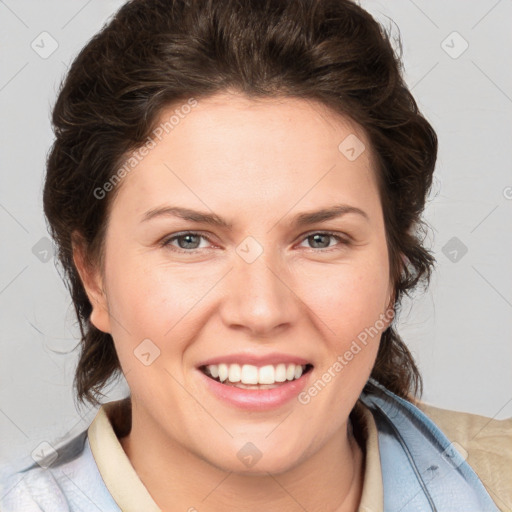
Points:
x=234 y=373
x=250 y=374
x=223 y=372
x=266 y=375
x=280 y=373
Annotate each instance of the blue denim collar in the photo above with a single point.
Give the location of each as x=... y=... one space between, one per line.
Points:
x=421 y=469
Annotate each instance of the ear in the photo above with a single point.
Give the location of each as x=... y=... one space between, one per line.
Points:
x=92 y=282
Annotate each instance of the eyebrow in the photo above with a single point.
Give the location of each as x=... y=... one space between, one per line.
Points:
x=300 y=220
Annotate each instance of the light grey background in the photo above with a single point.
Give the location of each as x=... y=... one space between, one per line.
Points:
x=460 y=331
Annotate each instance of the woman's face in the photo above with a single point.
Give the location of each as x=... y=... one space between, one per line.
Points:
x=260 y=282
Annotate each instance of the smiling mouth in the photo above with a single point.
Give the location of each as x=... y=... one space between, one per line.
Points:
x=253 y=377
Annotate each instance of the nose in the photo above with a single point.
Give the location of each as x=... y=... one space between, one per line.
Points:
x=259 y=297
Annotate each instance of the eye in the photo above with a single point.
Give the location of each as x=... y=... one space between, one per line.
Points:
x=320 y=239
x=187 y=242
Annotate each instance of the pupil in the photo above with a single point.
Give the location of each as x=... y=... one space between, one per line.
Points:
x=319 y=236
x=187 y=243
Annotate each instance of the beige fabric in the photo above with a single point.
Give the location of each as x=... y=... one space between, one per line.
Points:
x=488 y=443
x=114 y=466
x=372 y=498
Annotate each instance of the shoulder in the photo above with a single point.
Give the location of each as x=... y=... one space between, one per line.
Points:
x=65 y=479
x=34 y=490
x=486 y=443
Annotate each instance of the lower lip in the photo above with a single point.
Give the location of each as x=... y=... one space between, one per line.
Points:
x=257 y=399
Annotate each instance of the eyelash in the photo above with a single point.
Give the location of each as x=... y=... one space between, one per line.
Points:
x=166 y=243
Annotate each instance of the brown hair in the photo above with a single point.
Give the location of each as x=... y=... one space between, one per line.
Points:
x=154 y=53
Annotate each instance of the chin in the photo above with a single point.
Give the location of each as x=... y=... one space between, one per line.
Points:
x=250 y=461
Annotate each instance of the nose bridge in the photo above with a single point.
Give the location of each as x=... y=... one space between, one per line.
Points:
x=259 y=297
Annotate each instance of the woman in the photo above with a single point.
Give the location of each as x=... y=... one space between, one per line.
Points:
x=236 y=192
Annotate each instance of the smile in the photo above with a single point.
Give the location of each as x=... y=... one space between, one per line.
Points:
x=248 y=376
x=255 y=387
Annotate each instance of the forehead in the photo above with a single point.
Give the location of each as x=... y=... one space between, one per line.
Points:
x=229 y=145
x=296 y=119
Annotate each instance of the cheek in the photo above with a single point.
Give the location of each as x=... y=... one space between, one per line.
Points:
x=350 y=308
x=149 y=302
x=348 y=299
x=146 y=289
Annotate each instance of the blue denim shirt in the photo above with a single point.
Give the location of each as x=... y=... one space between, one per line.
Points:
x=421 y=470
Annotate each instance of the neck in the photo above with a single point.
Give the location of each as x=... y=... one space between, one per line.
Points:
x=329 y=480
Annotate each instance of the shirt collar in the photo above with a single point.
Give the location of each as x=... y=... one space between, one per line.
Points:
x=115 y=467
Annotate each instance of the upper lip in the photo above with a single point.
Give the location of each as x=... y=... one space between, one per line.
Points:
x=255 y=359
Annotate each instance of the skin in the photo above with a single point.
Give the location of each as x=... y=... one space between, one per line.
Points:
x=256 y=164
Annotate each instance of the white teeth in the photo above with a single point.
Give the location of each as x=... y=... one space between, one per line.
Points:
x=250 y=374
x=266 y=375
x=280 y=373
x=214 y=370
x=223 y=372
x=235 y=373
